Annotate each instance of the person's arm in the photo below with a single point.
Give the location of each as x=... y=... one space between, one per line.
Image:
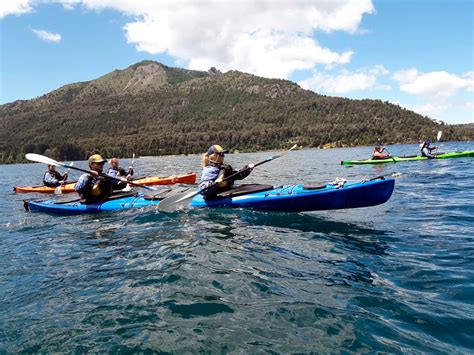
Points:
x=81 y=183
x=117 y=184
x=244 y=172
x=239 y=175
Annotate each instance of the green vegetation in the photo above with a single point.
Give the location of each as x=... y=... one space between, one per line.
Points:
x=151 y=109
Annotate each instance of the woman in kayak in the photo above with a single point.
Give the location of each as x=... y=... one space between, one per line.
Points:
x=116 y=171
x=378 y=153
x=216 y=174
x=92 y=186
x=426 y=150
x=52 y=178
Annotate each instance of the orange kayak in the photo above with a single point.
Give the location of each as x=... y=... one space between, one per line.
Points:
x=189 y=178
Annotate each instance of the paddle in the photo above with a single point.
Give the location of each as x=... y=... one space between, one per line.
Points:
x=58 y=190
x=45 y=160
x=128 y=188
x=438 y=137
x=181 y=200
x=390 y=155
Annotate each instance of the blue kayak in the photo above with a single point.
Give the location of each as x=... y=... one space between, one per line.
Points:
x=285 y=198
x=300 y=198
x=75 y=207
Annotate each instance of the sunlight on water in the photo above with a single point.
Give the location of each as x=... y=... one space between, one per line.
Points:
x=392 y=278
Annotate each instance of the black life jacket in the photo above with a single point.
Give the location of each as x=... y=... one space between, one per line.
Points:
x=57 y=176
x=98 y=191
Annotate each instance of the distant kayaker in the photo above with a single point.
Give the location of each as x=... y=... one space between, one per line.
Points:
x=92 y=186
x=215 y=171
x=116 y=171
x=378 y=153
x=426 y=150
x=52 y=178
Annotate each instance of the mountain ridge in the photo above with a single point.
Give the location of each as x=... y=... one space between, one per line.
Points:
x=151 y=109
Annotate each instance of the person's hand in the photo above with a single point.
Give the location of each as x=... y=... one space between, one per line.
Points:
x=251 y=166
x=94 y=173
x=62 y=182
x=218 y=180
x=128 y=177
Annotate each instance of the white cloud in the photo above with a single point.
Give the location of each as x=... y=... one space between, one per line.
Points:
x=47 y=36
x=431 y=109
x=469 y=76
x=405 y=76
x=442 y=94
x=15 y=7
x=266 y=38
x=346 y=81
x=438 y=85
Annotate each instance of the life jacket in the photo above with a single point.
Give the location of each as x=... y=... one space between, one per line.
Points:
x=56 y=175
x=98 y=190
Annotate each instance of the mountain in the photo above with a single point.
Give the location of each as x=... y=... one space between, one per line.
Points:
x=152 y=109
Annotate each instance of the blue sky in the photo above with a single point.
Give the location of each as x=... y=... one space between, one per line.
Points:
x=418 y=54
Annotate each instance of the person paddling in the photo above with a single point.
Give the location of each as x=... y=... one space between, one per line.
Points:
x=380 y=153
x=93 y=187
x=116 y=171
x=215 y=171
x=52 y=178
x=426 y=150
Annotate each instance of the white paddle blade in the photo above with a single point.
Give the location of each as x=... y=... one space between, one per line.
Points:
x=58 y=190
x=438 y=137
x=176 y=202
x=42 y=159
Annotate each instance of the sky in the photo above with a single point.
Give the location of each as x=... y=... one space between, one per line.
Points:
x=418 y=54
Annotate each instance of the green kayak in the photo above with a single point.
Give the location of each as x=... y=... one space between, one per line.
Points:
x=469 y=153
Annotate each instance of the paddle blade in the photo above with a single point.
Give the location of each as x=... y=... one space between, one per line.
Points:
x=438 y=137
x=176 y=202
x=41 y=159
x=58 y=190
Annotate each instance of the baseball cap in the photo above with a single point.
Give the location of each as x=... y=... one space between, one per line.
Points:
x=96 y=158
x=216 y=149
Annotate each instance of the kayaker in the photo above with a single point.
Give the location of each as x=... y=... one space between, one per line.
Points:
x=378 y=153
x=215 y=171
x=426 y=150
x=116 y=171
x=52 y=178
x=92 y=186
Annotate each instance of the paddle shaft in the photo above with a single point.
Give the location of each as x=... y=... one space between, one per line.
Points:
x=107 y=176
x=45 y=160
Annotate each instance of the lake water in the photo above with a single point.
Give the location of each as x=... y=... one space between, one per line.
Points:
x=393 y=278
